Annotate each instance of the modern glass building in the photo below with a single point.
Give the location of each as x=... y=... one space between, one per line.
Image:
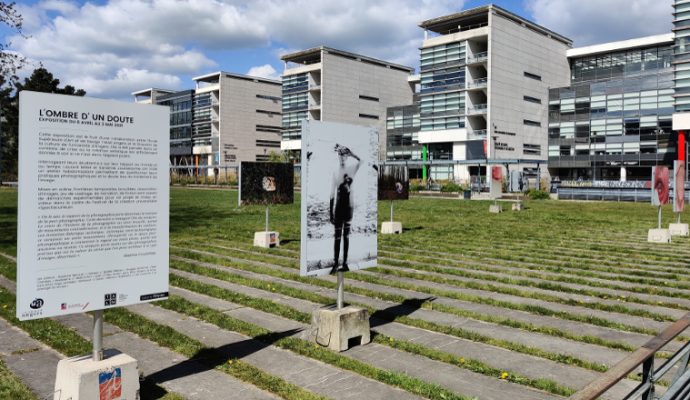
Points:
x=181 y=112
x=402 y=136
x=484 y=75
x=228 y=118
x=326 y=84
x=613 y=122
x=681 y=75
x=681 y=57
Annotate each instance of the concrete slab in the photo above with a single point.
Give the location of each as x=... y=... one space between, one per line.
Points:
x=659 y=236
x=314 y=375
x=550 y=343
x=30 y=360
x=530 y=366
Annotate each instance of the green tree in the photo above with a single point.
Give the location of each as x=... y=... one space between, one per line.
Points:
x=283 y=156
x=41 y=80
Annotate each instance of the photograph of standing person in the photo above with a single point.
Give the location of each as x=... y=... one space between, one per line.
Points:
x=341 y=203
x=339 y=197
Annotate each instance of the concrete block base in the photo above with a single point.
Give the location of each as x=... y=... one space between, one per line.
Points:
x=495 y=209
x=340 y=329
x=388 y=228
x=659 y=236
x=114 y=378
x=679 y=229
x=517 y=206
x=266 y=239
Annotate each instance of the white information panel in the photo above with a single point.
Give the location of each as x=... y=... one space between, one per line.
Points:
x=93 y=204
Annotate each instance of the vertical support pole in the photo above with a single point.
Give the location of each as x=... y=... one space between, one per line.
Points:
x=659 y=218
x=424 y=166
x=97 y=335
x=341 y=289
x=391 y=211
x=266 y=219
x=647 y=376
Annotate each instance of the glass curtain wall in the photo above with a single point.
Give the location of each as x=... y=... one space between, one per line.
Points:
x=616 y=114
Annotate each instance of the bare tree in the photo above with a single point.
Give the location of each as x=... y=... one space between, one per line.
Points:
x=10 y=62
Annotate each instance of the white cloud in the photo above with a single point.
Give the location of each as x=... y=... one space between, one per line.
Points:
x=100 y=47
x=126 y=81
x=264 y=71
x=599 y=21
x=384 y=29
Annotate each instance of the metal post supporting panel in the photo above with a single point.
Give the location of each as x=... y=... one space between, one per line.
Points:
x=341 y=289
x=97 y=335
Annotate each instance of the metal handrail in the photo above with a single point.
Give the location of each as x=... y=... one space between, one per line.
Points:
x=478 y=82
x=477 y=108
x=477 y=57
x=645 y=356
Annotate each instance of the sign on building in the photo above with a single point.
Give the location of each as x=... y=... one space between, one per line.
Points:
x=93 y=204
x=339 y=197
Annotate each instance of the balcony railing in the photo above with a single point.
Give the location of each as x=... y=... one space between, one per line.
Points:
x=477 y=109
x=461 y=28
x=478 y=57
x=477 y=83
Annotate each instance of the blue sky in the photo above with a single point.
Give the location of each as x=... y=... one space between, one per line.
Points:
x=113 y=47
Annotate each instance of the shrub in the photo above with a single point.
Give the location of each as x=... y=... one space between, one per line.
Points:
x=451 y=187
x=416 y=185
x=535 y=194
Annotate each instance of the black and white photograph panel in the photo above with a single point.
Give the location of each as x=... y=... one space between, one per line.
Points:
x=339 y=197
x=394 y=182
x=266 y=183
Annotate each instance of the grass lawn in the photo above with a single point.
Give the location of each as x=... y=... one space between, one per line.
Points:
x=575 y=273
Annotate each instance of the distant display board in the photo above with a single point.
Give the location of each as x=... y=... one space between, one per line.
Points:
x=394 y=182
x=660 y=185
x=339 y=197
x=266 y=183
x=678 y=186
x=93 y=204
x=496 y=182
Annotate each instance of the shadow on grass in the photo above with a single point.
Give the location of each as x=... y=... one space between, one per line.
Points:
x=150 y=390
x=286 y=241
x=388 y=315
x=209 y=358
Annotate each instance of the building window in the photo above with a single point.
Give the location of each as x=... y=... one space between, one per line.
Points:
x=532 y=76
x=268 y=128
x=529 y=122
x=531 y=149
x=263 y=96
x=267 y=143
x=270 y=113
x=369 y=116
x=532 y=99
x=263 y=157
x=370 y=98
